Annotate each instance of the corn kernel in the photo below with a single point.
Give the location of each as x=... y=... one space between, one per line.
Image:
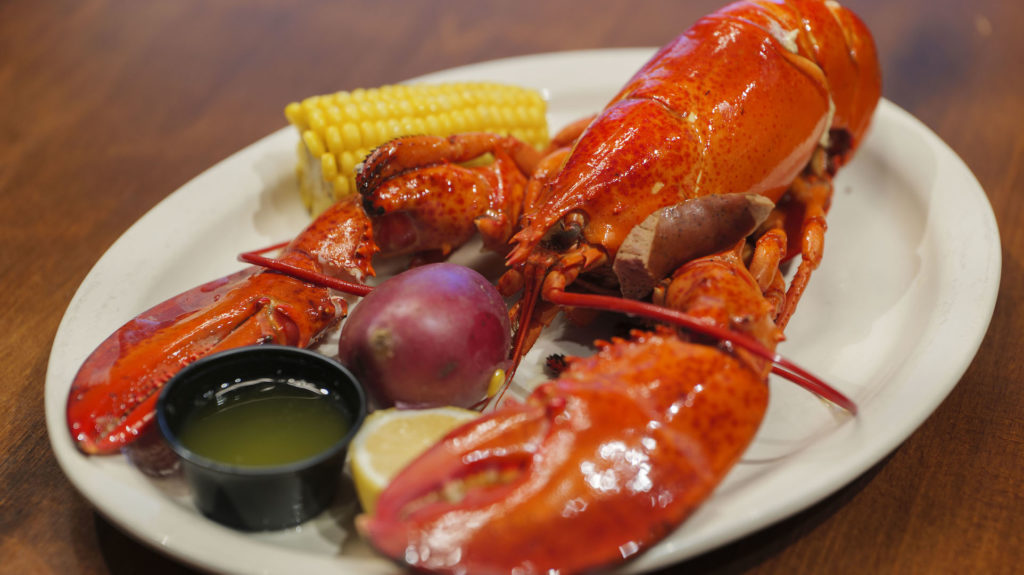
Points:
x=350 y=136
x=394 y=129
x=317 y=121
x=342 y=187
x=433 y=126
x=295 y=114
x=473 y=123
x=363 y=111
x=332 y=139
x=348 y=162
x=328 y=166
x=369 y=133
x=445 y=121
x=313 y=143
x=333 y=115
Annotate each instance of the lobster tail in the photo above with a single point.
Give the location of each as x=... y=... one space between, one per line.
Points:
x=846 y=52
x=831 y=45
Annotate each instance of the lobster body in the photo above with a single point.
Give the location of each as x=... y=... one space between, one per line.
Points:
x=740 y=103
x=677 y=132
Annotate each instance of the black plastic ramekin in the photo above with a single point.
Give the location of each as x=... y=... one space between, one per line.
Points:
x=260 y=498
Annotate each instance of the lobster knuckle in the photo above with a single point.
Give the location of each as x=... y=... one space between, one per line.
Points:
x=388 y=160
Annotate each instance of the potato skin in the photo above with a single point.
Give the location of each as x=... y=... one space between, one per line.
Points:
x=433 y=335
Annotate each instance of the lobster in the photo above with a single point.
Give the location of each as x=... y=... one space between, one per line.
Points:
x=765 y=98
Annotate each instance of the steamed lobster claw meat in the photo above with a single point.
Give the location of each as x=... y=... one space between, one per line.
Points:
x=600 y=463
x=113 y=395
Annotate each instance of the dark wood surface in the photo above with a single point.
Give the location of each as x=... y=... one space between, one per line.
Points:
x=106 y=107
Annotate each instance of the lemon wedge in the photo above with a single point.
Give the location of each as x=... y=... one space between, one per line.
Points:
x=390 y=438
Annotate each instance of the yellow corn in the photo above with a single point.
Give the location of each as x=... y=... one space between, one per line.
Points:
x=338 y=130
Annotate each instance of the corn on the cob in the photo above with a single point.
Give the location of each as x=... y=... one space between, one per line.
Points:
x=339 y=130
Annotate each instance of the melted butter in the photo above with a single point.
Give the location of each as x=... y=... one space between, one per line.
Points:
x=265 y=425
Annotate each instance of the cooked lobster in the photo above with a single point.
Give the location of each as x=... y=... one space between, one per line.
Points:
x=763 y=99
x=766 y=98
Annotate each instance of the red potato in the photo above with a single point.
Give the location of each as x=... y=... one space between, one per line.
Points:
x=433 y=335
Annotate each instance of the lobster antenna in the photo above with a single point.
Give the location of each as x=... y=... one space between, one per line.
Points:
x=527 y=305
x=256 y=257
x=780 y=365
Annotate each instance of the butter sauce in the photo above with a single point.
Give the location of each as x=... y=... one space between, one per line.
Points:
x=265 y=422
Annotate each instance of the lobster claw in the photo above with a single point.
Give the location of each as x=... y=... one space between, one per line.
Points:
x=592 y=468
x=114 y=393
x=112 y=398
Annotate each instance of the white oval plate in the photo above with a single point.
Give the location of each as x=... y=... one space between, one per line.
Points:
x=893 y=317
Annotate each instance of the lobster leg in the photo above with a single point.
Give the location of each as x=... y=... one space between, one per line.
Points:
x=814 y=195
x=769 y=251
x=568 y=135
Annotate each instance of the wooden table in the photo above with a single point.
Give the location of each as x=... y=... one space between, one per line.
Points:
x=108 y=106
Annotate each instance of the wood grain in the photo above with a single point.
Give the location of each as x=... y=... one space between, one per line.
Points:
x=107 y=106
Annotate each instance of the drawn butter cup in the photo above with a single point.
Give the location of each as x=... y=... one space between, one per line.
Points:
x=264 y=496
